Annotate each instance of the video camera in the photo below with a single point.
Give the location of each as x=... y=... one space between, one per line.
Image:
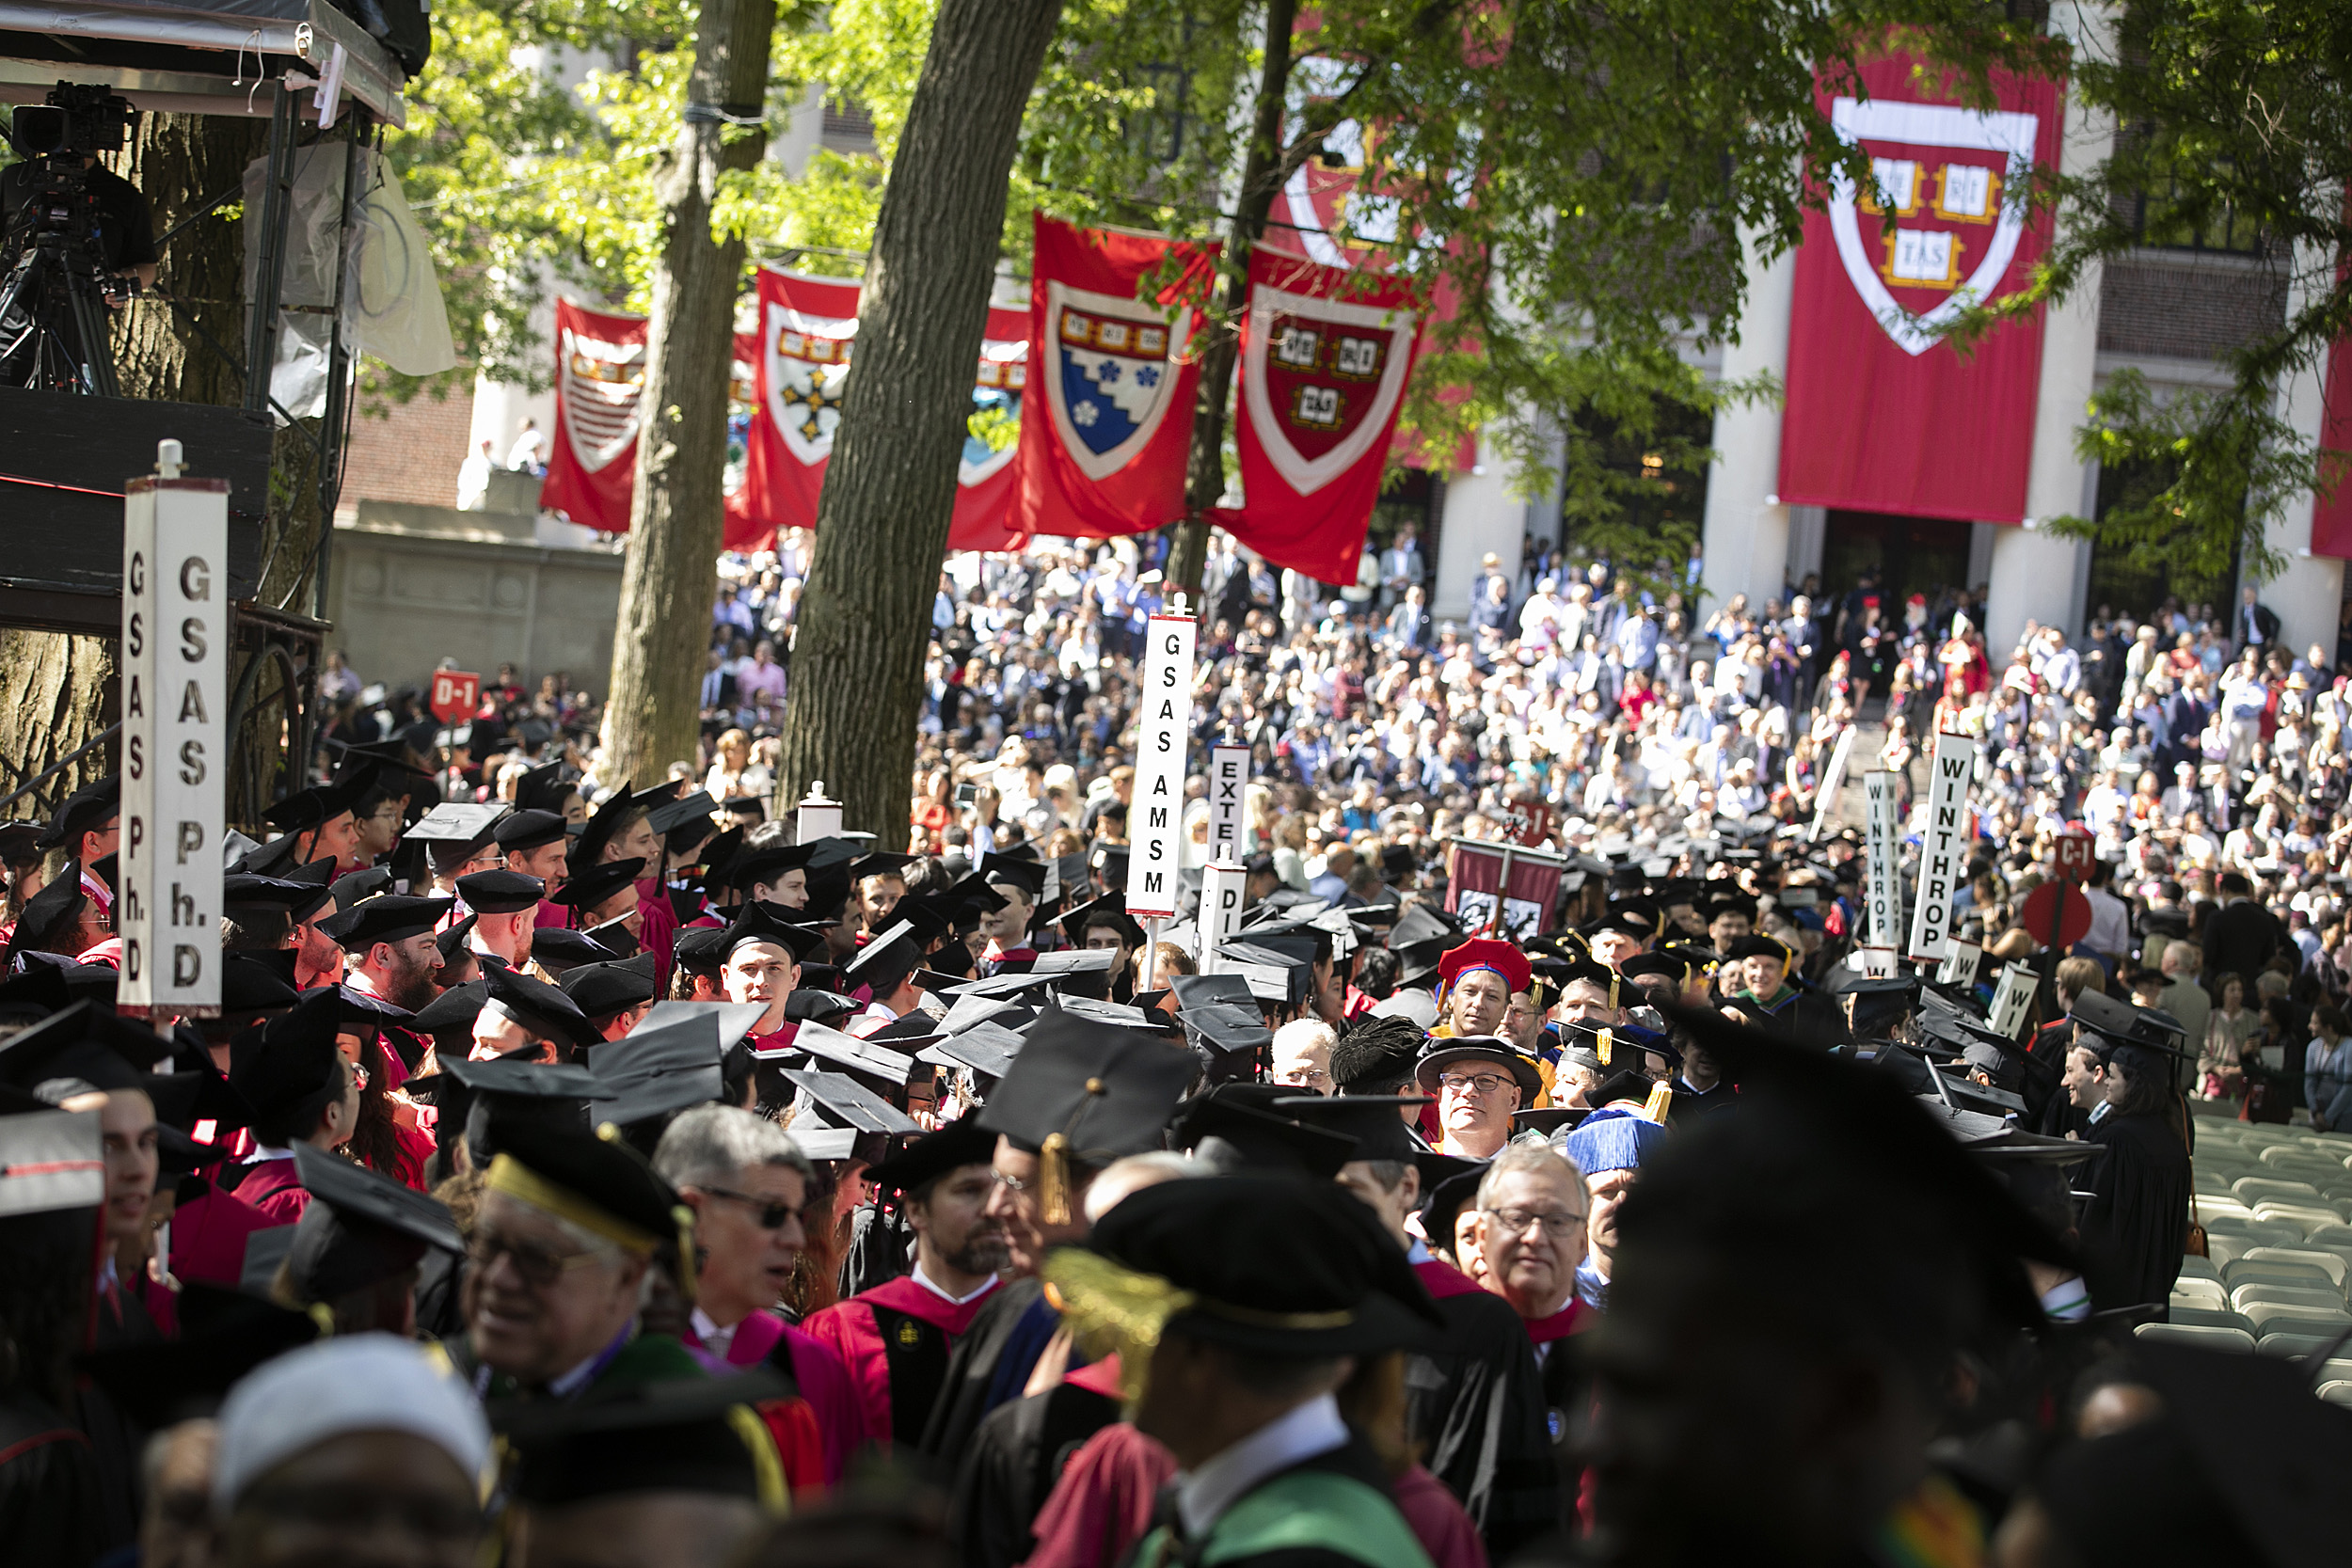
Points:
x=76 y=120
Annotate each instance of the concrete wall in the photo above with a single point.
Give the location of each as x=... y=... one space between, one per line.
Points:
x=412 y=585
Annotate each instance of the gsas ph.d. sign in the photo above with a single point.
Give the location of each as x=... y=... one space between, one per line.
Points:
x=175 y=696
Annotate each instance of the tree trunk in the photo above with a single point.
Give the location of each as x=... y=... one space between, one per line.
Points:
x=676 y=515
x=1205 y=473
x=58 y=692
x=865 y=619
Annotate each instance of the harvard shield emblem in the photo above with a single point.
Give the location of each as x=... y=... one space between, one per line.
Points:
x=1323 y=377
x=1113 y=368
x=602 y=382
x=1943 y=224
x=808 y=363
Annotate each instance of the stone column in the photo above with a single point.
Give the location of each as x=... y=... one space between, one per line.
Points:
x=1746 y=528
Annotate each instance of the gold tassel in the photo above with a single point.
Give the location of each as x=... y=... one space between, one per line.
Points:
x=324 y=1315
x=1111 y=1307
x=684 y=1218
x=1605 y=1043
x=1660 y=1096
x=1054 y=1179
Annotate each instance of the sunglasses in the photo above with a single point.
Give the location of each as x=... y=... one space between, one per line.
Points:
x=773 y=1215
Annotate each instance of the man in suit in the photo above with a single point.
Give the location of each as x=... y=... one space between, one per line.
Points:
x=2241 y=936
x=2256 y=626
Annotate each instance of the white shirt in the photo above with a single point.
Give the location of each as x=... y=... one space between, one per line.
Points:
x=715 y=1339
x=1203 y=1495
x=925 y=1280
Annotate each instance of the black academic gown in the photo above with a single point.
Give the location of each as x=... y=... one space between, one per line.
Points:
x=1010 y=1469
x=2137 y=1221
x=117 y=1442
x=990 y=1366
x=1477 y=1408
x=52 y=1513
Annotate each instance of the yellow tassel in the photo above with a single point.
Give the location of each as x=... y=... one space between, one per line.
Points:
x=1054 y=1179
x=1660 y=1096
x=1112 y=1308
x=684 y=1218
x=1605 y=1043
x=324 y=1315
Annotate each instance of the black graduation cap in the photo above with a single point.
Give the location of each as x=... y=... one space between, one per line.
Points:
x=699 y=1434
x=836 y=1099
x=618 y=809
x=320 y=879
x=828 y=891
x=698 y=949
x=602 y=989
x=767 y=863
x=88 y=809
x=893 y=949
x=588 y=889
x=1446 y=1200
x=1225 y=1030
x=1003 y=870
x=970 y=1009
x=1550 y=1118
x=1874 y=1004
x=2119 y=1023
x=1005 y=983
x=545 y=789
x=50 y=1160
x=1372 y=1119
x=1197 y=990
x=526 y=831
x=47 y=913
x=305 y=809
x=242 y=894
x=908 y=1032
x=484 y=1098
x=1079 y=1093
x=987 y=1048
x=616 y=936
x=718 y=859
x=1234 y=1127
x=224 y=1334
x=452 y=941
x=690 y=819
x=933 y=1155
x=291 y=1059
x=816 y=1006
x=763 y=921
x=455 y=831
x=854 y=1054
x=360 y=1228
x=399 y=774
x=453 y=1012
x=389 y=917
x=20 y=842
x=1631 y=917
x=86 y=1041
x=545 y=1005
x=365 y=883
x=658 y=1070
x=753 y=806
x=501 y=891
x=879 y=862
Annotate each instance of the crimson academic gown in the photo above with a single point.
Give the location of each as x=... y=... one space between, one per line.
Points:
x=656 y=931
x=208 y=1236
x=817 y=1370
x=272 y=1186
x=895 y=1339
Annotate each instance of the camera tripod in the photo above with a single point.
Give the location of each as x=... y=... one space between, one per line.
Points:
x=53 y=321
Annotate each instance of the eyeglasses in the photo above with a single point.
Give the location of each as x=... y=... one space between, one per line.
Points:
x=1015 y=1182
x=1473 y=1082
x=1518 y=1222
x=539 y=1266
x=1304 y=1077
x=773 y=1215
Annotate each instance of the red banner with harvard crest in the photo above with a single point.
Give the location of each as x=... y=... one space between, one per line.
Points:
x=1325 y=353
x=800 y=367
x=1104 y=448
x=599 y=374
x=1882 y=415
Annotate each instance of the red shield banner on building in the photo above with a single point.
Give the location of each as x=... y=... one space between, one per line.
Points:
x=1323 y=364
x=987 y=478
x=1105 y=452
x=599 y=374
x=1474 y=875
x=1881 y=415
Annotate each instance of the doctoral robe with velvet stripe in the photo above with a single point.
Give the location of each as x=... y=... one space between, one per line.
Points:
x=895 y=1339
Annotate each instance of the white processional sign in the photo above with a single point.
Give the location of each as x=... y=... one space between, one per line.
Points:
x=1229 y=788
x=1221 y=886
x=1883 y=845
x=1155 y=814
x=1945 y=845
x=175 y=696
